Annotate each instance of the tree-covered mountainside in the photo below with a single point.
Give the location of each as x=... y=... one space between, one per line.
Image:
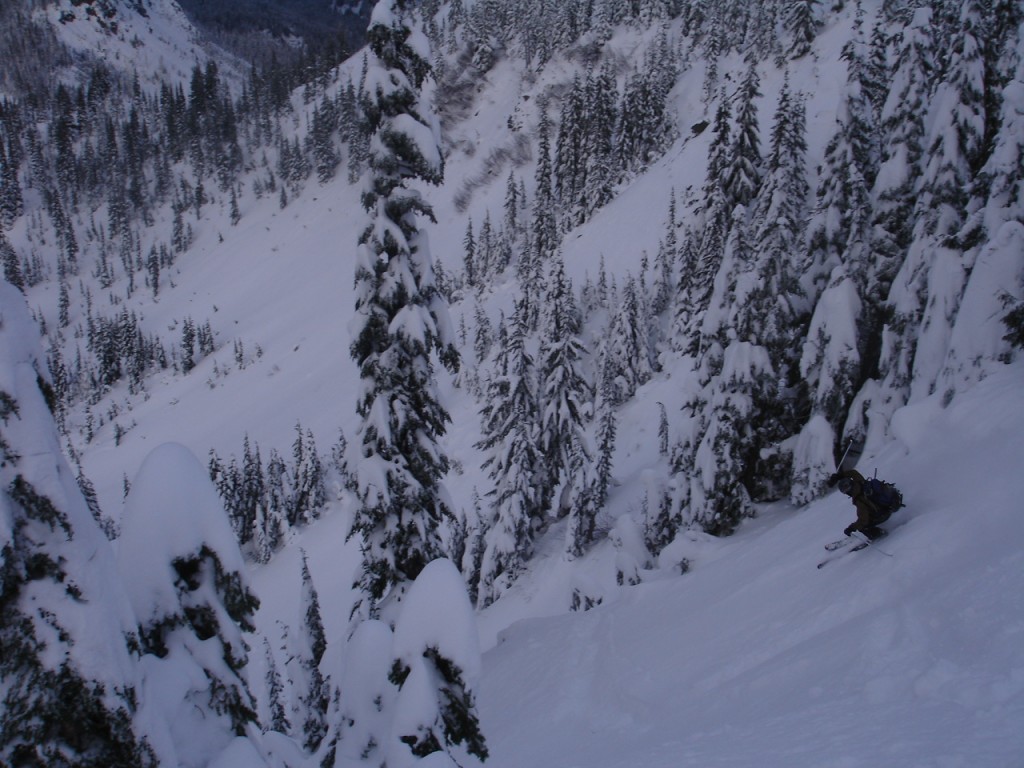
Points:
x=314 y=23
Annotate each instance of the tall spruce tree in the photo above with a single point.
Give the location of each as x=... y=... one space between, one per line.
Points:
x=565 y=409
x=543 y=226
x=1000 y=260
x=627 y=354
x=315 y=697
x=717 y=215
x=895 y=193
x=402 y=319
x=903 y=115
x=511 y=440
x=802 y=26
x=742 y=176
x=777 y=309
x=842 y=337
x=925 y=308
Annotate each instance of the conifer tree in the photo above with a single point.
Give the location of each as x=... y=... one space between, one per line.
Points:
x=306 y=482
x=402 y=319
x=436 y=669
x=564 y=399
x=570 y=162
x=665 y=262
x=626 y=357
x=278 y=720
x=11 y=265
x=742 y=176
x=314 y=698
x=717 y=216
x=12 y=203
x=543 y=226
x=469 y=263
x=601 y=97
x=777 y=309
x=802 y=26
x=606 y=432
x=511 y=440
x=513 y=206
x=840 y=346
x=483 y=336
x=902 y=116
x=924 y=311
x=186 y=581
x=737 y=382
x=836 y=278
x=66 y=671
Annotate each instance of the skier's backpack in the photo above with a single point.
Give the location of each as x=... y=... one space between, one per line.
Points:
x=885 y=496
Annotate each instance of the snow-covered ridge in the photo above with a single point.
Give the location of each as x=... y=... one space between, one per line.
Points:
x=154 y=39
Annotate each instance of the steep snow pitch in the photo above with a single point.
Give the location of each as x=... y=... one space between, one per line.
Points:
x=755 y=657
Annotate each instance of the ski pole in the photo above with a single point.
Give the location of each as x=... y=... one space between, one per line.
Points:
x=839 y=466
x=870 y=543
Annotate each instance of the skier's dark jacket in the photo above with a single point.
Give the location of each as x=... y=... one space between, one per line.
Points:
x=868 y=513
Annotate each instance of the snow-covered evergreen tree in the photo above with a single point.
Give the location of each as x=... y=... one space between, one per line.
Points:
x=903 y=127
x=626 y=354
x=737 y=384
x=927 y=290
x=186 y=581
x=565 y=409
x=402 y=318
x=801 y=23
x=606 y=431
x=775 y=311
x=277 y=719
x=67 y=675
x=314 y=697
x=437 y=669
x=839 y=347
x=512 y=442
x=742 y=175
x=716 y=218
x=363 y=721
x=778 y=230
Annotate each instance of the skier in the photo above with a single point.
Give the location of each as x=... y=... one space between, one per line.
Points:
x=869 y=514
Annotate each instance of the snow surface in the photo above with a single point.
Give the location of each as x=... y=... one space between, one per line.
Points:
x=755 y=657
x=160 y=45
x=911 y=655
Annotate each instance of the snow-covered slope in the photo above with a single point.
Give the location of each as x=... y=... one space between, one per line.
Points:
x=908 y=655
x=153 y=39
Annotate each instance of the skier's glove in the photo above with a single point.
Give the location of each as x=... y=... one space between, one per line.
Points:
x=833 y=479
x=850 y=529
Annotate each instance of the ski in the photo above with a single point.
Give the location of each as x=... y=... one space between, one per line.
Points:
x=856 y=541
x=839 y=551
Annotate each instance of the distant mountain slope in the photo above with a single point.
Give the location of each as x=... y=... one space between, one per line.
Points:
x=313 y=21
